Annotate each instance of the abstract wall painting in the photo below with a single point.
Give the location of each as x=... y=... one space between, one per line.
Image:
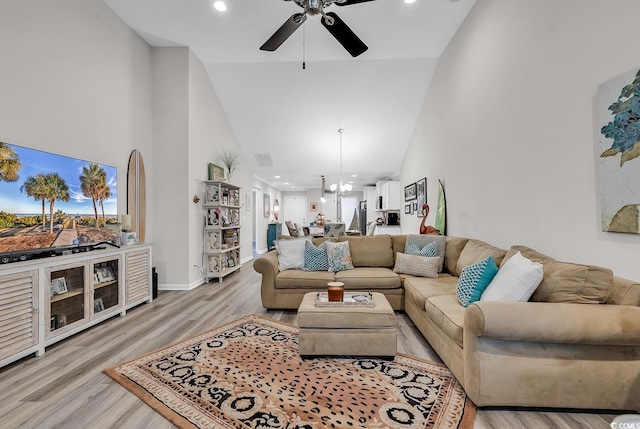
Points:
x=618 y=138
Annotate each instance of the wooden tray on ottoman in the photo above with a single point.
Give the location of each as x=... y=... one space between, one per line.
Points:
x=351 y=299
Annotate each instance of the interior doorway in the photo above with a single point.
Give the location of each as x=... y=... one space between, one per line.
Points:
x=295 y=209
x=254 y=214
x=348 y=206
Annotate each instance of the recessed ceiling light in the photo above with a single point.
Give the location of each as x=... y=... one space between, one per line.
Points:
x=286 y=183
x=354 y=175
x=277 y=177
x=409 y=1
x=293 y=187
x=221 y=7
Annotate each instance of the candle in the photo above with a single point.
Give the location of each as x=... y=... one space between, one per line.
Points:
x=125 y=222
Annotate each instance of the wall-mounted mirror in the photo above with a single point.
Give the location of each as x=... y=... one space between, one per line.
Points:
x=276 y=209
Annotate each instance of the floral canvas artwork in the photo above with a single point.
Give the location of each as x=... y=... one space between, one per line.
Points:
x=618 y=139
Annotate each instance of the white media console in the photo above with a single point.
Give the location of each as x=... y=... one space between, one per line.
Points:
x=43 y=301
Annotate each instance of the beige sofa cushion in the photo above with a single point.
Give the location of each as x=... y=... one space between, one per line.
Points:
x=370 y=251
x=448 y=314
x=365 y=278
x=399 y=242
x=624 y=292
x=299 y=279
x=568 y=282
x=452 y=253
x=419 y=289
x=475 y=251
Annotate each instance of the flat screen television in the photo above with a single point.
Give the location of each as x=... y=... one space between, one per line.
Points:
x=53 y=204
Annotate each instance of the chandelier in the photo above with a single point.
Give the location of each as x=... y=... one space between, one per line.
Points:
x=342 y=188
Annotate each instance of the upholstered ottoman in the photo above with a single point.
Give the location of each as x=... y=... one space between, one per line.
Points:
x=347 y=330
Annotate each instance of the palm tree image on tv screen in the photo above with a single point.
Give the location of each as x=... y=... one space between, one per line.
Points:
x=49 y=200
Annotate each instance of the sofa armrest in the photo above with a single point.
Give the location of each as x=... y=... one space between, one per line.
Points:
x=267 y=265
x=559 y=323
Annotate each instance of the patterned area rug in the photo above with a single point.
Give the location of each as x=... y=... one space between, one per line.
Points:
x=248 y=374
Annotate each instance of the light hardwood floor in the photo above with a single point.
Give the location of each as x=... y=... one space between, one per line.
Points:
x=65 y=388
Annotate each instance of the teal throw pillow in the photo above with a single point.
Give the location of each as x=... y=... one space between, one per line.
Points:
x=474 y=279
x=430 y=250
x=315 y=258
x=339 y=256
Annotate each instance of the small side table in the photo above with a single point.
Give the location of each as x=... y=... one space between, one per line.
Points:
x=274 y=230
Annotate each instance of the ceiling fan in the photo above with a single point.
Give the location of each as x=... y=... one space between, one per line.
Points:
x=330 y=20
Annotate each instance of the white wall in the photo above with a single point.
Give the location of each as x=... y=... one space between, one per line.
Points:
x=190 y=130
x=209 y=134
x=171 y=145
x=508 y=124
x=76 y=80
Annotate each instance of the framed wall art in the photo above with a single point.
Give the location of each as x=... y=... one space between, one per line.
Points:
x=410 y=192
x=618 y=146
x=216 y=172
x=421 y=195
x=267 y=205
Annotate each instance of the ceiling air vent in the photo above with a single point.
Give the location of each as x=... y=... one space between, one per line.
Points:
x=263 y=159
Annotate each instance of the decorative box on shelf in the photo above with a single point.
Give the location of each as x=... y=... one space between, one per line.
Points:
x=128 y=238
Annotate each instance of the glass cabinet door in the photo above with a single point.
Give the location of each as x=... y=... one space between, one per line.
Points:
x=66 y=297
x=106 y=285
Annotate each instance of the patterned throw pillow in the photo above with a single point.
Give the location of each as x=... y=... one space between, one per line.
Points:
x=315 y=258
x=474 y=279
x=339 y=256
x=516 y=281
x=424 y=239
x=420 y=266
x=429 y=250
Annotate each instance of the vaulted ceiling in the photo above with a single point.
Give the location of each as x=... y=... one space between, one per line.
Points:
x=290 y=116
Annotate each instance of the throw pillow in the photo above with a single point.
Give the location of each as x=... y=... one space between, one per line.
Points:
x=516 y=280
x=474 y=280
x=424 y=239
x=429 y=250
x=290 y=253
x=339 y=256
x=420 y=266
x=315 y=258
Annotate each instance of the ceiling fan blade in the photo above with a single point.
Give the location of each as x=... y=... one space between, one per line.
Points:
x=348 y=2
x=344 y=35
x=283 y=33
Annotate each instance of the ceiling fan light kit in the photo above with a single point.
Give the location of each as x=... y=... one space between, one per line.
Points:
x=330 y=20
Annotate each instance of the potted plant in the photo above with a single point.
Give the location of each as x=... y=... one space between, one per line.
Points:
x=231 y=161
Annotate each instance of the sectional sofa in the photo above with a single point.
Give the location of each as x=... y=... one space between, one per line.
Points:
x=574 y=344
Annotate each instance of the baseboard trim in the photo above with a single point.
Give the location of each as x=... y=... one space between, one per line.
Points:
x=191 y=286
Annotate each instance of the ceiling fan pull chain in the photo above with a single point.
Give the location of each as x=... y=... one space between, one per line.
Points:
x=304 y=50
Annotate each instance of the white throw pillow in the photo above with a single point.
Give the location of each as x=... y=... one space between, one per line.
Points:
x=290 y=253
x=421 y=266
x=516 y=280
